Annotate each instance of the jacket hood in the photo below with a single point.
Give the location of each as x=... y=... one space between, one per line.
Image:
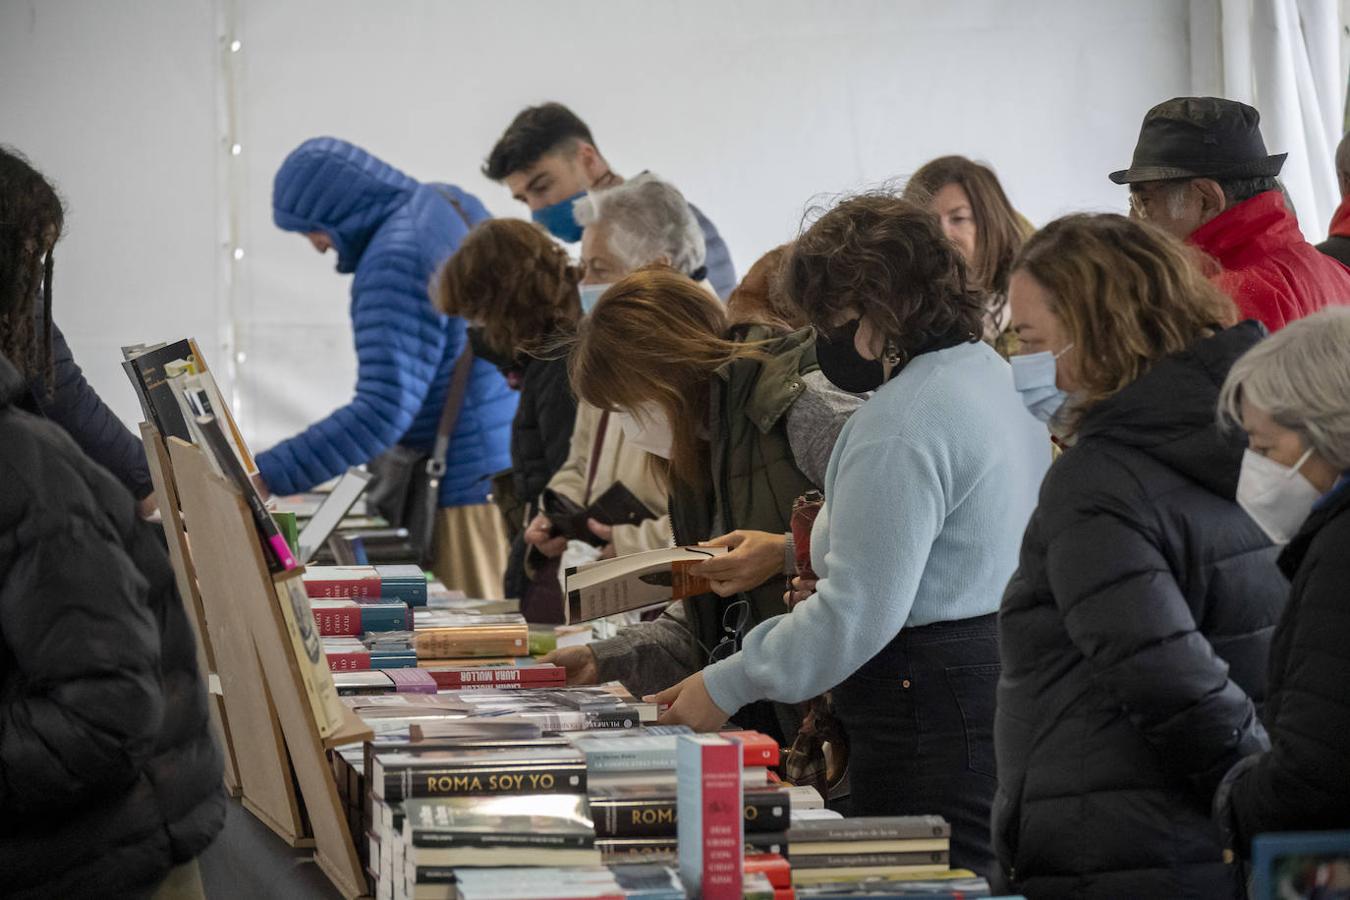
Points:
x=12 y=385
x=335 y=187
x=1170 y=412
x=777 y=382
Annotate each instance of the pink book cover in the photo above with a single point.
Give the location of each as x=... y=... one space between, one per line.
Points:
x=710 y=786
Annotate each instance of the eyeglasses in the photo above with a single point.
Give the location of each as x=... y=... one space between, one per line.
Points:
x=734 y=619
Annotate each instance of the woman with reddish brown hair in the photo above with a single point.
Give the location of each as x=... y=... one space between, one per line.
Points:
x=740 y=422
x=518 y=289
x=760 y=298
x=977 y=217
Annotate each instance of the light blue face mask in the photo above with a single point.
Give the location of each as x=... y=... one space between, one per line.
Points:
x=559 y=219
x=590 y=295
x=1034 y=378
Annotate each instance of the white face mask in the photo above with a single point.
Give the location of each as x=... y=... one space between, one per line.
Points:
x=648 y=429
x=1277 y=497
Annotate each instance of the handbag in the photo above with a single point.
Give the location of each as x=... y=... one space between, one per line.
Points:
x=543 y=599
x=407 y=485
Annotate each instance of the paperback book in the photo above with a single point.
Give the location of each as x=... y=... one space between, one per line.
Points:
x=608 y=587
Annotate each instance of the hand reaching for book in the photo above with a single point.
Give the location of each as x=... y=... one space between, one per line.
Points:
x=690 y=704
x=579 y=662
x=537 y=535
x=755 y=557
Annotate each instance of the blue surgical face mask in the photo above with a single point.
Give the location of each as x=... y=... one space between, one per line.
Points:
x=559 y=220
x=590 y=295
x=1034 y=377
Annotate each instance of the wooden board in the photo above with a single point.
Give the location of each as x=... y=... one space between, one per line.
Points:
x=233 y=582
x=166 y=495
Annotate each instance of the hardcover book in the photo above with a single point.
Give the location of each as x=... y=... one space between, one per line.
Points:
x=608 y=587
x=710 y=816
x=648 y=752
x=645 y=811
x=528 y=829
x=308 y=651
x=347 y=618
x=544 y=770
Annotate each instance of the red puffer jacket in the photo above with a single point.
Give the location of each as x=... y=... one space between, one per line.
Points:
x=1268 y=268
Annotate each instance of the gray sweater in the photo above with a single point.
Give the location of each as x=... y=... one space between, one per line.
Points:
x=651 y=656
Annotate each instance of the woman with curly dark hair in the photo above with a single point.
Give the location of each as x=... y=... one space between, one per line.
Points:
x=519 y=290
x=927 y=492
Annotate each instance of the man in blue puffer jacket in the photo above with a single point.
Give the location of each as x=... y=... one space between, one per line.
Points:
x=393 y=233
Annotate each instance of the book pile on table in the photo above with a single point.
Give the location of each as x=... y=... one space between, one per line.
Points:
x=633 y=786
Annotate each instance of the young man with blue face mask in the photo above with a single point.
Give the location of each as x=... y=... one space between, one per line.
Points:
x=547 y=158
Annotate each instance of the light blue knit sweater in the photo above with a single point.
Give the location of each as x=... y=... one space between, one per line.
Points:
x=929 y=489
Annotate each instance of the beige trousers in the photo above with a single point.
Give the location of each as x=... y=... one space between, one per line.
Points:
x=471 y=549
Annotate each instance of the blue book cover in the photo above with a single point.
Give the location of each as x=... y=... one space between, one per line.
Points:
x=405 y=583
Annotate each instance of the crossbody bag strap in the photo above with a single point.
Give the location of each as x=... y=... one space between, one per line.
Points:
x=454 y=401
x=596 y=447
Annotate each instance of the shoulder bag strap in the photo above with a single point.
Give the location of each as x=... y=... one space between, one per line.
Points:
x=596 y=448
x=454 y=401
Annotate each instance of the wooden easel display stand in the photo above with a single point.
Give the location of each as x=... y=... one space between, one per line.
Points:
x=276 y=740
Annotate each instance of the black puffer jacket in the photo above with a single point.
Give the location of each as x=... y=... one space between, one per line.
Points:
x=1132 y=633
x=541 y=436
x=1303 y=783
x=109 y=773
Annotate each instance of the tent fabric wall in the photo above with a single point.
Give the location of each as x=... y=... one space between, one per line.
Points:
x=756 y=109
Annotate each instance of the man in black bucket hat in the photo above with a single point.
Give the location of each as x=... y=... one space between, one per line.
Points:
x=1202 y=173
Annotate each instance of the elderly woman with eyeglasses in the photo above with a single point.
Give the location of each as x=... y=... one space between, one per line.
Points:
x=1291 y=394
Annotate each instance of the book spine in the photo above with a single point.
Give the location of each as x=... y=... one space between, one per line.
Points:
x=343 y=588
x=348 y=661
x=904 y=829
x=279 y=557
x=567 y=720
x=344 y=622
x=568 y=779
x=445 y=837
x=710 y=818
x=873 y=860
x=411 y=593
x=450 y=643
x=412 y=681
x=658 y=816
x=772 y=866
x=459 y=680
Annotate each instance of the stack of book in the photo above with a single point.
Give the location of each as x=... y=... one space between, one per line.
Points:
x=633 y=786
x=850 y=850
x=505 y=675
x=954 y=885
x=404 y=584
x=647 y=882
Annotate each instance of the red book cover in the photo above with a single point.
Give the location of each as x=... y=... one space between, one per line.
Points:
x=342 y=582
x=348 y=662
x=772 y=866
x=786 y=893
x=499 y=676
x=710 y=817
x=760 y=749
x=338 y=622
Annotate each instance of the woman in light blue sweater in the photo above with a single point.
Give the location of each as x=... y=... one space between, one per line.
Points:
x=928 y=492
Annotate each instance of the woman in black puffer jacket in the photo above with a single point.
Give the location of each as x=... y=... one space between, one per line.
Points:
x=1135 y=632
x=109 y=773
x=1292 y=397
x=518 y=289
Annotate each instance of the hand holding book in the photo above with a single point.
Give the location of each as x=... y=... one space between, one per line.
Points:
x=755 y=557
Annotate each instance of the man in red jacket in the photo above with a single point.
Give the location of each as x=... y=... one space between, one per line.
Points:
x=1337 y=245
x=1201 y=172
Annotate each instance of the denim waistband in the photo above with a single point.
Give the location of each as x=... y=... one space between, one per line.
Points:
x=942 y=632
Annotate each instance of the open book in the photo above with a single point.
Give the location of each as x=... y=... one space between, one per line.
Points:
x=607 y=587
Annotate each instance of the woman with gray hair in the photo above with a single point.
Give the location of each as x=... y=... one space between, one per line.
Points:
x=1291 y=394
x=638 y=223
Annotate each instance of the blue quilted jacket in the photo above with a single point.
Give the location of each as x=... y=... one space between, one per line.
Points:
x=393 y=233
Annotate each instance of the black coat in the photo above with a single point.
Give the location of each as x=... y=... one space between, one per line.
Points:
x=541 y=437
x=75 y=406
x=109 y=773
x=1303 y=783
x=1134 y=630
x=1337 y=247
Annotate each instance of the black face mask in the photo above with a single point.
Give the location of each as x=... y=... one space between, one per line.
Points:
x=839 y=360
x=483 y=351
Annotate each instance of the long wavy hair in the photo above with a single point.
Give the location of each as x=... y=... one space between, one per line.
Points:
x=759 y=297
x=1126 y=293
x=888 y=259
x=31 y=219
x=516 y=282
x=657 y=337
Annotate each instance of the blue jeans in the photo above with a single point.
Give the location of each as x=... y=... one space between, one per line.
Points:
x=919 y=717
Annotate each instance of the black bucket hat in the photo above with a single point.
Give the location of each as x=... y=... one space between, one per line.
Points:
x=1200 y=137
